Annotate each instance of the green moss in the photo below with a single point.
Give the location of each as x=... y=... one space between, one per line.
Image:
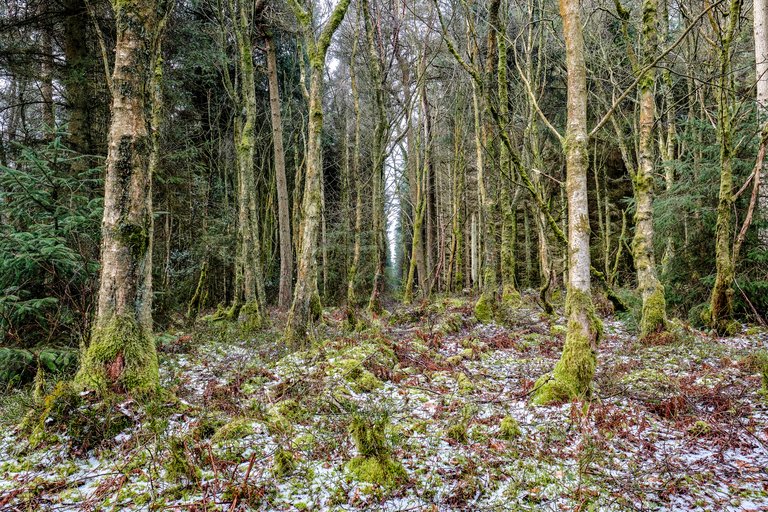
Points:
x=455 y=360
x=465 y=385
x=179 y=468
x=305 y=442
x=369 y=436
x=86 y=420
x=700 y=316
x=700 y=429
x=361 y=379
x=479 y=434
x=457 y=432
x=251 y=316
x=654 y=313
x=374 y=463
x=758 y=363
x=452 y=323
x=510 y=297
x=284 y=463
x=206 y=427
x=234 y=430
x=509 y=429
x=572 y=376
x=485 y=308
x=134 y=237
x=316 y=307
x=558 y=330
x=648 y=382
x=731 y=328
x=289 y=409
x=385 y=472
x=121 y=357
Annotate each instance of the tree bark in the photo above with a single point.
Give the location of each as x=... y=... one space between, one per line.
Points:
x=283 y=208
x=572 y=376
x=761 y=69
x=248 y=307
x=721 y=300
x=653 y=318
x=300 y=316
x=121 y=355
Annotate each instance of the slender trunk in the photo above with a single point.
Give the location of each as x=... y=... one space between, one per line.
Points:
x=721 y=300
x=78 y=89
x=352 y=300
x=414 y=177
x=487 y=305
x=428 y=185
x=121 y=355
x=46 y=81
x=572 y=376
x=379 y=155
x=283 y=209
x=761 y=68
x=249 y=302
x=509 y=295
x=305 y=300
x=653 y=317
x=668 y=153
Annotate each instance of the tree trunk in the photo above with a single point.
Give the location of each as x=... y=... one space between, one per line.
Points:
x=510 y=297
x=121 y=355
x=304 y=296
x=653 y=316
x=249 y=302
x=761 y=68
x=721 y=300
x=487 y=305
x=78 y=89
x=352 y=300
x=572 y=376
x=379 y=150
x=283 y=208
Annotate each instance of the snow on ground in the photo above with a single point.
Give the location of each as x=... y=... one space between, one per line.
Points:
x=674 y=426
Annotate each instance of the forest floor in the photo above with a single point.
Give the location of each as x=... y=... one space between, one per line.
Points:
x=677 y=424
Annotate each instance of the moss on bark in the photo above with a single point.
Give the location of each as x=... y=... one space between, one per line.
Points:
x=121 y=357
x=251 y=317
x=485 y=308
x=654 y=313
x=572 y=376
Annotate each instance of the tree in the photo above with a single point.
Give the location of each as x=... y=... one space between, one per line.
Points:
x=121 y=353
x=317 y=49
x=721 y=299
x=761 y=68
x=286 y=252
x=572 y=376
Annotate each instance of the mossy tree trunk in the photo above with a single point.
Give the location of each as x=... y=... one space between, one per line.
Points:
x=761 y=68
x=458 y=184
x=721 y=300
x=572 y=376
x=417 y=261
x=509 y=295
x=300 y=316
x=120 y=356
x=378 y=150
x=283 y=209
x=653 y=316
x=248 y=306
x=352 y=298
x=487 y=305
